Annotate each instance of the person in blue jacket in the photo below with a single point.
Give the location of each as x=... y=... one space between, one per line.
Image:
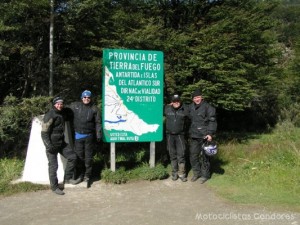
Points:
x=87 y=127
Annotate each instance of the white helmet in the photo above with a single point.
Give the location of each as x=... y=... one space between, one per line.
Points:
x=210 y=148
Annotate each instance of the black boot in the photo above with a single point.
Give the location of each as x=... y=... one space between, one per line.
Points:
x=88 y=182
x=174 y=177
x=183 y=178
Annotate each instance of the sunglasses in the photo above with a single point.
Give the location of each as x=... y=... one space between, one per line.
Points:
x=87 y=97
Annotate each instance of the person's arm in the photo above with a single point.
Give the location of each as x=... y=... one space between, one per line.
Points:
x=212 y=122
x=98 y=126
x=165 y=109
x=47 y=124
x=189 y=109
x=187 y=120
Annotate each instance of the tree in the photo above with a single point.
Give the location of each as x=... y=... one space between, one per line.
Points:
x=228 y=48
x=23 y=35
x=51 y=47
x=289 y=37
x=232 y=55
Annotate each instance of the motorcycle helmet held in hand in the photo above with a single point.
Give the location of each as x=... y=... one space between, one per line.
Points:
x=210 y=148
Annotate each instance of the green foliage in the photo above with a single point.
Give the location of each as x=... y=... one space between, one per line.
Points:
x=15 y=121
x=289 y=36
x=226 y=47
x=231 y=57
x=117 y=177
x=9 y=119
x=243 y=54
x=143 y=172
x=131 y=162
x=244 y=170
x=291 y=113
x=24 y=47
x=75 y=78
x=252 y=167
x=11 y=169
x=131 y=155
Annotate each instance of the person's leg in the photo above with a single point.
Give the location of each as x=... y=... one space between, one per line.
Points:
x=71 y=157
x=173 y=156
x=88 y=156
x=52 y=169
x=195 y=149
x=180 y=152
x=205 y=168
x=79 y=151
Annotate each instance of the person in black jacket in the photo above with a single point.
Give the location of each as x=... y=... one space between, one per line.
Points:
x=176 y=114
x=87 y=127
x=53 y=127
x=203 y=127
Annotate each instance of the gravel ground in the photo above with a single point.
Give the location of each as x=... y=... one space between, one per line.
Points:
x=136 y=203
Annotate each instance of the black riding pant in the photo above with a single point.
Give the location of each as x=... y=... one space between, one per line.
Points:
x=84 y=149
x=177 y=147
x=70 y=156
x=199 y=161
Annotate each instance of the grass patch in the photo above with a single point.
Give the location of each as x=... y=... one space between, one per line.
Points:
x=11 y=169
x=132 y=164
x=143 y=172
x=262 y=171
x=259 y=169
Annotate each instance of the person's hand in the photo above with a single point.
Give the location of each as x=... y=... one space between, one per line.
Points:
x=99 y=136
x=208 y=137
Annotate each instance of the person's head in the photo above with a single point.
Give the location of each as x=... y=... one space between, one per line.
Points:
x=197 y=96
x=86 y=97
x=175 y=101
x=58 y=103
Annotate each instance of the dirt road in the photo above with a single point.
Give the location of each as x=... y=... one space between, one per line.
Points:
x=137 y=203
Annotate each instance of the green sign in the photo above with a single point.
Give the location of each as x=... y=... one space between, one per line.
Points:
x=132 y=105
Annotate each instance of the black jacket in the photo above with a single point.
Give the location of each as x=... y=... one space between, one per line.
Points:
x=87 y=119
x=53 y=126
x=175 y=119
x=203 y=120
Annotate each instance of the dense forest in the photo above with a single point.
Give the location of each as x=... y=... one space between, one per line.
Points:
x=243 y=54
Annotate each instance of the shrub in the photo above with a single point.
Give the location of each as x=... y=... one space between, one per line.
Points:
x=292 y=114
x=143 y=172
x=15 y=122
x=118 y=177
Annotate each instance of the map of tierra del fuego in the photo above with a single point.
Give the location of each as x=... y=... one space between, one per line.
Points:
x=118 y=116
